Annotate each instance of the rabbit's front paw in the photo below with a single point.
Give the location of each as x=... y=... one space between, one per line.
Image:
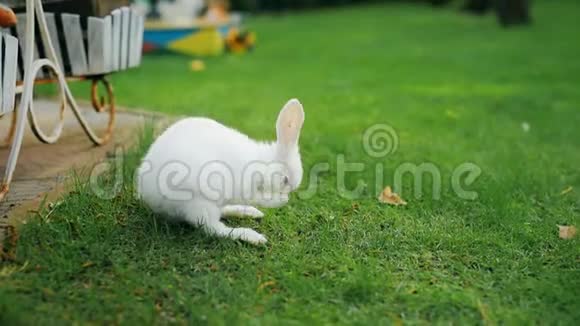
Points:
x=253 y=212
x=252 y=236
x=241 y=211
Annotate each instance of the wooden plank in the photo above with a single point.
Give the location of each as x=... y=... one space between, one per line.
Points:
x=96 y=45
x=5 y=32
x=53 y=33
x=116 y=39
x=73 y=34
x=137 y=39
x=126 y=13
x=21 y=31
x=140 y=40
x=9 y=77
x=133 y=39
x=2 y=64
x=107 y=43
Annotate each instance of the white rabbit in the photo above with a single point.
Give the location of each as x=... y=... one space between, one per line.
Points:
x=199 y=170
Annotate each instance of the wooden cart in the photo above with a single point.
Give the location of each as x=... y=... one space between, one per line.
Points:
x=80 y=44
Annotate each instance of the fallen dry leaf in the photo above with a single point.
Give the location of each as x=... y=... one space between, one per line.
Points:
x=8 y=270
x=87 y=264
x=266 y=284
x=391 y=198
x=567 y=232
x=567 y=190
x=197 y=65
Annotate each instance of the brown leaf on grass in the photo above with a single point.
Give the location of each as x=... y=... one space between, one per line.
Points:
x=9 y=269
x=391 y=198
x=197 y=65
x=158 y=306
x=88 y=264
x=266 y=284
x=567 y=190
x=567 y=232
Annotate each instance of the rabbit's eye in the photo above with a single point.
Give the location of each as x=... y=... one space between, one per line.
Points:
x=286 y=180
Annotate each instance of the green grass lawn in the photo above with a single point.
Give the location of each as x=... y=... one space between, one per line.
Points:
x=456 y=89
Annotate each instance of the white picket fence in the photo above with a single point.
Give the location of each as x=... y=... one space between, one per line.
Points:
x=8 y=72
x=106 y=45
x=70 y=47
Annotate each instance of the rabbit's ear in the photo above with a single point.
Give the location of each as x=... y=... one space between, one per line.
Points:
x=290 y=121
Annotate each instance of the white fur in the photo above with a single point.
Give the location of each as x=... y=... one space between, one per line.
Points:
x=241 y=211
x=199 y=170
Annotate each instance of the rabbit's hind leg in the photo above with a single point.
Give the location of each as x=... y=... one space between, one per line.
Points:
x=207 y=215
x=241 y=211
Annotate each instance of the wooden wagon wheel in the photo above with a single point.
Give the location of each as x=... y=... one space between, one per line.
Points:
x=23 y=110
x=101 y=105
x=31 y=113
x=106 y=31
